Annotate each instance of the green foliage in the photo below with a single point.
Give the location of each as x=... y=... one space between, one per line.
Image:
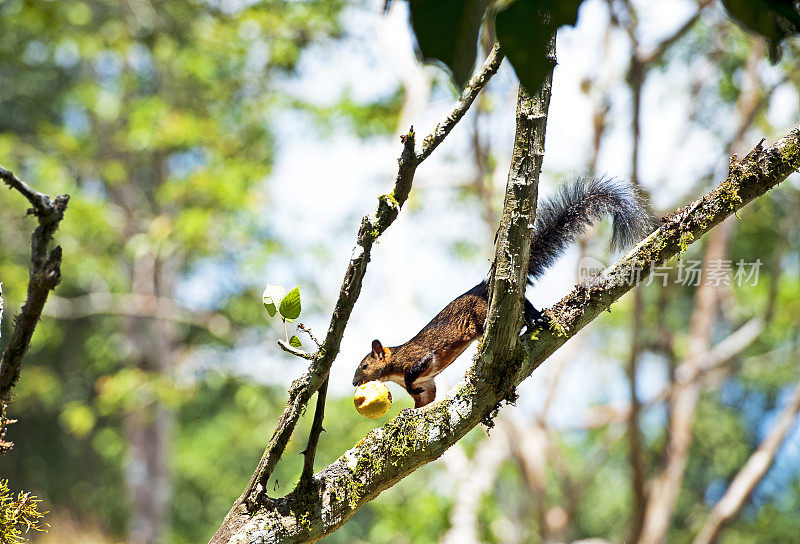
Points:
x=18 y=515
x=156 y=122
x=525 y=34
x=286 y=305
x=775 y=20
x=290 y=305
x=447 y=31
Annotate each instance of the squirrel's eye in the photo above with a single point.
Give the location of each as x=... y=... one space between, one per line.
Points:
x=364 y=366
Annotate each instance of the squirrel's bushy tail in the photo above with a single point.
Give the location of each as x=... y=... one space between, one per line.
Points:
x=564 y=216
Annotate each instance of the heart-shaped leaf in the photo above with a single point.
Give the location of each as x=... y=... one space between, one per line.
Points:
x=524 y=30
x=290 y=305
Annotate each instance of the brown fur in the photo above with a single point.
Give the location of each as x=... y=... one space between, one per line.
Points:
x=446 y=337
x=559 y=221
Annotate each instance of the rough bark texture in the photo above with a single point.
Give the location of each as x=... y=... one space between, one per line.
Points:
x=510 y=269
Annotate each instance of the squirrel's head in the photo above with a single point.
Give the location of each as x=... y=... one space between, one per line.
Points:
x=374 y=365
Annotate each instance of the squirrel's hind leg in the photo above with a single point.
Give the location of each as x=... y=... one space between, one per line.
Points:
x=427 y=395
x=415 y=371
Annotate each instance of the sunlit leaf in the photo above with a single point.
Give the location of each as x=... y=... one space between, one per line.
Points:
x=272 y=296
x=290 y=305
x=295 y=342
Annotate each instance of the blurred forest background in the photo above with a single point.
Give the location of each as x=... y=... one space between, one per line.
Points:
x=212 y=146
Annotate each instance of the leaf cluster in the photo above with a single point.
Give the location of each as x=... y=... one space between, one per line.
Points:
x=287 y=305
x=447 y=31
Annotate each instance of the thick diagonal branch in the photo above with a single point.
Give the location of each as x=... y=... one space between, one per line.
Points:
x=416 y=437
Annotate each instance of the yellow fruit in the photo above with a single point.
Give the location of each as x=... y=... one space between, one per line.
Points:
x=372 y=399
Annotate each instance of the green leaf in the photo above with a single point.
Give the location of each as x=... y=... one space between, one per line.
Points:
x=524 y=30
x=295 y=342
x=290 y=305
x=447 y=31
x=775 y=20
x=272 y=294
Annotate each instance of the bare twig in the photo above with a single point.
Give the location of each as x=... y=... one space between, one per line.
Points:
x=309 y=333
x=468 y=95
x=285 y=346
x=313 y=438
x=44 y=275
x=750 y=474
x=43 y=207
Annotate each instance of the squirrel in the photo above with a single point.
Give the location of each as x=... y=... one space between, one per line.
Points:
x=559 y=221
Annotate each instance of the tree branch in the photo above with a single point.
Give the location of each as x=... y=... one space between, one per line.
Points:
x=255 y=497
x=313 y=438
x=44 y=274
x=43 y=207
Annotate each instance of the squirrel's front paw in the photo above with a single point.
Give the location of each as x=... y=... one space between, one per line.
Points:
x=541 y=320
x=534 y=318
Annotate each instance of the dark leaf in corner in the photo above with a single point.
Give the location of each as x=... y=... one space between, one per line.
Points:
x=524 y=29
x=775 y=20
x=447 y=31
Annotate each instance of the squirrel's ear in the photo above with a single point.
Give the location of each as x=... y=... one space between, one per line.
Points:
x=377 y=348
